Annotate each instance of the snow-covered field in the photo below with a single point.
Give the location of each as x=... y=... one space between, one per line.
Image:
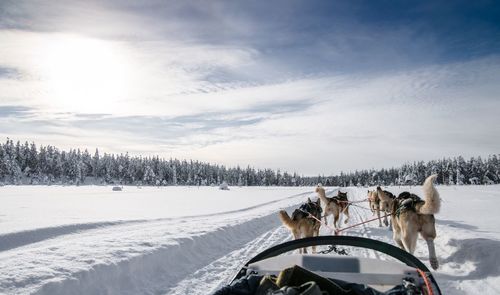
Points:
x=190 y=240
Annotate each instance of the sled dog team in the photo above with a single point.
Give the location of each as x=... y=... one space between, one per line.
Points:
x=410 y=215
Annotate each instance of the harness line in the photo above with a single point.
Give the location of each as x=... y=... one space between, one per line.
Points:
x=337 y=231
x=349 y=203
x=314 y=217
x=332 y=247
x=360 y=207
x=352 y=202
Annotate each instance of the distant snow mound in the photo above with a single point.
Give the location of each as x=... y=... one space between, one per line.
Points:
x=224 y=186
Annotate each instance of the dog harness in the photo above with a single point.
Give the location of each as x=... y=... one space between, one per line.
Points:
x=393 y=196
x=307 y=208
x=405 y=202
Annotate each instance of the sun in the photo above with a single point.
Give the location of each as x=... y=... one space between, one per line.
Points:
x=84 y=75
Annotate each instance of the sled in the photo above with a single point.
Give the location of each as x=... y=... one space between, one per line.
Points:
x=405 y=273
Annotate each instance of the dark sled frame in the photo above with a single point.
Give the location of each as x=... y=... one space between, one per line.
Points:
x=358 y=242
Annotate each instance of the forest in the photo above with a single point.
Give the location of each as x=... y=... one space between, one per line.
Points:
x=25 y=163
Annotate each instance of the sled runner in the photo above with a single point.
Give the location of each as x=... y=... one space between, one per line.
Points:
x=272 y=273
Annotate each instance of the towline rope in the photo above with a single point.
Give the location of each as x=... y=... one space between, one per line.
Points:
x=314 y=217
x=337 y=231
x=352 y=202
x=332 y=247
x=360 y=207
x=349 y=203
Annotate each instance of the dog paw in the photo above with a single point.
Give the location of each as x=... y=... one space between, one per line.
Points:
x=434 y=263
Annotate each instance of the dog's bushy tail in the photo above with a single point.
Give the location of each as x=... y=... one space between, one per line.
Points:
x=285 y=218
x=431 y=195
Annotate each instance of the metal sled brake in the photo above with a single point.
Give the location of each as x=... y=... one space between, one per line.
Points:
x=381 y=275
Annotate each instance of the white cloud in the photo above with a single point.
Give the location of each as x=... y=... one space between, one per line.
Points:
x=192 y=82
x=67 y=72
x=310 y=125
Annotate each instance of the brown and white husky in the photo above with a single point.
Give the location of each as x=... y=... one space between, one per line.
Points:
x=301 y=224
x=374 y=203
x=386 y=198
x=411 y=216
x=334 y=206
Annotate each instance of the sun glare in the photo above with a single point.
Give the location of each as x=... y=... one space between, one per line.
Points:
x=84 y=75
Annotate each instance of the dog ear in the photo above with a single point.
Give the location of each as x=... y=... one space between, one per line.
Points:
x=309 y=200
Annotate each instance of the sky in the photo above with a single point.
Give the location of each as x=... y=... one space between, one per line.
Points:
x=314 y=87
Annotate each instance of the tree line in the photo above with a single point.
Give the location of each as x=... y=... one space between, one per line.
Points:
x=28 y=164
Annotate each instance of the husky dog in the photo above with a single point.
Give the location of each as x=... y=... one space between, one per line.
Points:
x=374 y=203
x=411 y=216
x=336 y=205
x=386 y=199
x=301 y=224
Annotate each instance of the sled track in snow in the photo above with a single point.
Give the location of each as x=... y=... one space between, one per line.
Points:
x=148 y=257
x=18 y=239
x=14 y=240
x=216 y=274
x=198 y=263
x=160 y=270
x=198 y=254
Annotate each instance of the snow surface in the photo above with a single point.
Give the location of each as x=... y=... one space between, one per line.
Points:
x=190 y=240
x=33 y=207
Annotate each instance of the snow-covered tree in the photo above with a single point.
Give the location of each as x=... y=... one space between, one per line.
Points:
x=25 y=163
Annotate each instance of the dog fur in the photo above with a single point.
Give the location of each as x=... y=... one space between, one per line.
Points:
x=301 y=224
x=386 y=199
x=408 y=223
x=374 y=203
x=373 y=200
x=334 y=206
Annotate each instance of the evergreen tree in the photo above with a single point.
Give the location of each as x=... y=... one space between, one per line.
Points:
x=24 y=163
